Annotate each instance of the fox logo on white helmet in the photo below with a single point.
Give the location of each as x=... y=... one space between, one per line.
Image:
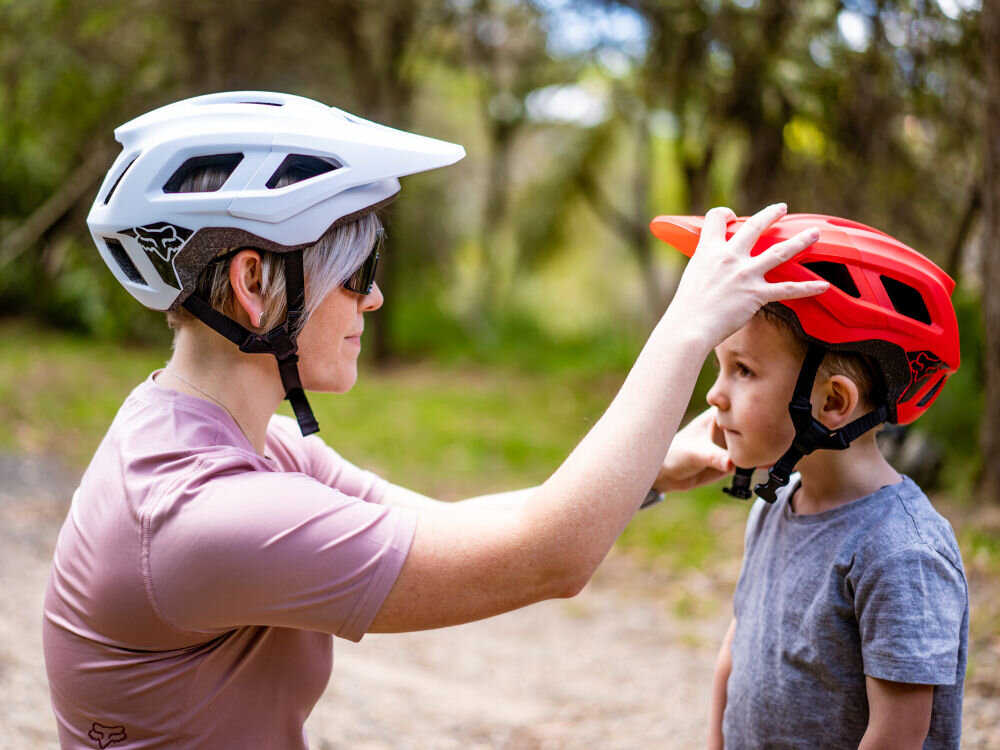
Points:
x=162 y=242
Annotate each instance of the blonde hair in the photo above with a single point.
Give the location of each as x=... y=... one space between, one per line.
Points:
x=327 y=263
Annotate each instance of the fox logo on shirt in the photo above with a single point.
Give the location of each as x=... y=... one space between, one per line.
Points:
x=105 y=736
x=162 y=242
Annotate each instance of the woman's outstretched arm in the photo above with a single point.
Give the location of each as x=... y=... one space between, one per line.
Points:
x=695 y=458
x=467 y=563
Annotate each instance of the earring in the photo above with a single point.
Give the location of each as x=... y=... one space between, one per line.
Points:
x=260 y=318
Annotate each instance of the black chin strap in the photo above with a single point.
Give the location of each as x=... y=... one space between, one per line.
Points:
x=279 y=341
x=810 y=433
x=741 y=484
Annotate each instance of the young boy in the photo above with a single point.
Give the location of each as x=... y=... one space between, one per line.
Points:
x=851 y=611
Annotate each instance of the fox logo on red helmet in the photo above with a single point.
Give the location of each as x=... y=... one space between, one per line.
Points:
x=923 y=365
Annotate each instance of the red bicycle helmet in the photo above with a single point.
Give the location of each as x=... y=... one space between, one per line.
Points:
x=886 y=300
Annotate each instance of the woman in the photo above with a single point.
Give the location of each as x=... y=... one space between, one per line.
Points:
x=211 y=550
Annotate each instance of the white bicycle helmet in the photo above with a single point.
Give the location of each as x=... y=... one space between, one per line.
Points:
x=157 y=240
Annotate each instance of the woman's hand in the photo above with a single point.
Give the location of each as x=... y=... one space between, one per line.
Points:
x=723 y=285
x=697 y=456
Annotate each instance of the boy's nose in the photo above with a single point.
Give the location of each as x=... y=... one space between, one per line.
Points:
x=716 y=396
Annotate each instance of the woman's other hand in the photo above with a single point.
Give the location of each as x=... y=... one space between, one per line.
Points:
x=697 y=456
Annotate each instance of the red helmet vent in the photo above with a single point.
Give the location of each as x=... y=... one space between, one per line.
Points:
x=836 y=273
x=906 y=300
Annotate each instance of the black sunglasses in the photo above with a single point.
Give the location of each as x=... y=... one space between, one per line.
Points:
x=363 y=279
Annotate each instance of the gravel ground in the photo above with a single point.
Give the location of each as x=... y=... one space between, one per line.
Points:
x=610 y=669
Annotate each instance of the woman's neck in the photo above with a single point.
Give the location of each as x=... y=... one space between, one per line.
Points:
x=834 y=478
x=247 y=386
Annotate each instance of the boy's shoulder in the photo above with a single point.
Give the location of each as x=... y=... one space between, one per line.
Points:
x=901 y=518
x=895 y=520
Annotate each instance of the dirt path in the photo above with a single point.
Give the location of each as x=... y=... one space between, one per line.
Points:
x=610 y=669
x=604 y=670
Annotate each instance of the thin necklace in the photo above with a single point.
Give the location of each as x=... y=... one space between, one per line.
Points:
x=209 y=395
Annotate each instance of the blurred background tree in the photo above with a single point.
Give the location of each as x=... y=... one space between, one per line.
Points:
x=582 y=120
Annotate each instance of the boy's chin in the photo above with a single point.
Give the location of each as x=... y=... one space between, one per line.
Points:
x=750 y=461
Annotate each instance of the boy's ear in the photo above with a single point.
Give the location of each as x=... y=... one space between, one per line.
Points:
x=836 y=400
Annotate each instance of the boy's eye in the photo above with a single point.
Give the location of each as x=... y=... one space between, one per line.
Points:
x=742 y=370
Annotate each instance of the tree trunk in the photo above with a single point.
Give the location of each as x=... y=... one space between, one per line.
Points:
x=989 y=484
x=973 y=206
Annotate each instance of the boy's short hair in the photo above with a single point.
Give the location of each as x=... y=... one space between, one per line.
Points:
x=857 y=366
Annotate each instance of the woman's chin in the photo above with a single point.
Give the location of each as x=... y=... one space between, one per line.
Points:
x=340 y=382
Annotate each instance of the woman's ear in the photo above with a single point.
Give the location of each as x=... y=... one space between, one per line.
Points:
x=836 y=400
x=245 y=276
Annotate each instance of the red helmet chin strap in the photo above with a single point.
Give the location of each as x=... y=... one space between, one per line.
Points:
x=810 y=433
x=741 y=483
x=279 y=341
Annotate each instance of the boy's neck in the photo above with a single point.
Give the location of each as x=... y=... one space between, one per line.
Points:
x=834 y=478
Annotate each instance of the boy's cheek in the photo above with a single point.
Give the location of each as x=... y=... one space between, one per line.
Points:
x=763 y=449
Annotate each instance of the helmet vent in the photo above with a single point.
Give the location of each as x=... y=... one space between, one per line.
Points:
x=906 y=300
x=836 y=273
x=213 y=169
x=124 y=262
x=113 y=187
x=932 y=392
x=298 y=168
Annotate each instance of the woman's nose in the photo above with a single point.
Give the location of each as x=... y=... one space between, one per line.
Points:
x=373 y=300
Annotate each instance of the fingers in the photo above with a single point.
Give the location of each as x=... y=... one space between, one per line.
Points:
x=705 y=420
x=795 y=290
x=706 y=476
x=705 y=447
x=748 y=234
x=777 y=254
x=716 y=434
x=714 y=228
x=783 y=251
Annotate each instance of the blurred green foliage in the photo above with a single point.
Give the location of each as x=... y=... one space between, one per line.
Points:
x=581 y=120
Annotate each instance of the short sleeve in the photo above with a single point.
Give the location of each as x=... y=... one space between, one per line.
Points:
x=276 y=549
x=910 y=608
x=313 y=457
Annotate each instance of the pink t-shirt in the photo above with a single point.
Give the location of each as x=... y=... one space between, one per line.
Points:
x=196 y=585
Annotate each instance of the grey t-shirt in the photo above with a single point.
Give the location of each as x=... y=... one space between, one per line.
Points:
x=874 y=587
